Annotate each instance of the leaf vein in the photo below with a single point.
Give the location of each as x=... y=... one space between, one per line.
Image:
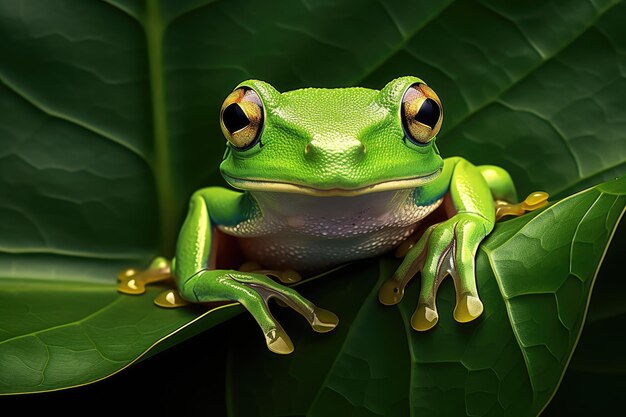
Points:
x=53 y=113
x=510 y=315
x=400 y=46
x=60 y=326
x=343 y=344
x=528 y=73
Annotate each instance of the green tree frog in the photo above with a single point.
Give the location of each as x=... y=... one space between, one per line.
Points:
x=327 y=176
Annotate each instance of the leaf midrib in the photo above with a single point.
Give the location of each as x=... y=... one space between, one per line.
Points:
x=162 y=164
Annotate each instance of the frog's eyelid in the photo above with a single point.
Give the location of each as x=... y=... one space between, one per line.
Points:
x=252 y=96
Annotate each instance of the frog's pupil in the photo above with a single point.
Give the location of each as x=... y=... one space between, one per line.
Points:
x=234 y=118
x=428 y=113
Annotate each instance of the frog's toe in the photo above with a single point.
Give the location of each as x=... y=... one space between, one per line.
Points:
x=468 y=305
x=170 y=299
x=320 y=320
x=133 y=281
x=130 y=282
x=534 y=201
x=323 y=320
x=126 y=273
x=391 y=292
x=467 y=308
x=251 y=291
x=278 y=342
x=161 y=264
x=131 y=286
x=424 y=318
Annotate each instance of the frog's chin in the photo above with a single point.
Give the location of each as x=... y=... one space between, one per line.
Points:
x=286 y=187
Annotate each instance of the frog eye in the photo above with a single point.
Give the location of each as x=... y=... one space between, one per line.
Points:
x=421 y=113
x=241 y=118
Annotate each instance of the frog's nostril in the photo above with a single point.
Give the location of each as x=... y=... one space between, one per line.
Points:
x=330 y=150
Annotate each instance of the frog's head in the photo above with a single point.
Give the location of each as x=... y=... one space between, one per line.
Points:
x=344 y=141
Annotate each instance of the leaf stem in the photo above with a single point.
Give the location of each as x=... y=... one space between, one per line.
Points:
x=161 y=158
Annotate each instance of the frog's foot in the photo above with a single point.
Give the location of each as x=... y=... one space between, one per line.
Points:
x=444 y=248
x=286 y=276
x=134 y=282
x=534 y=201
x=254 y=291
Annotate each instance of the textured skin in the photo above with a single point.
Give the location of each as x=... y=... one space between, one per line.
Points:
x=311 y=201
x=353 y=135
x=309 y=234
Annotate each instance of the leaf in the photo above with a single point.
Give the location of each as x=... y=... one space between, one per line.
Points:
x=598 y=364
x=108 y=110
x=535 y=275
x=66 y=334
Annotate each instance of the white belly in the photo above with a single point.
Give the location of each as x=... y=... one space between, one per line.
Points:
x=308 y=233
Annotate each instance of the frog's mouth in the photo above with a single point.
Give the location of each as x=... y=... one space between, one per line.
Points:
x=287 y=187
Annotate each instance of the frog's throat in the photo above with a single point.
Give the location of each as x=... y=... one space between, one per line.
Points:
x=286 y=187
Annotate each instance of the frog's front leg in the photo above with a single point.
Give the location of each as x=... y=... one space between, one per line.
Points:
x=449 y=247
x=197 y=282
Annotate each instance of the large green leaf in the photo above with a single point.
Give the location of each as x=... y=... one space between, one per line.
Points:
x=108 y=118
x=535 y=275
x=66 y=334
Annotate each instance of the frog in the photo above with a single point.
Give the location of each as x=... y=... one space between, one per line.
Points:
x=325 y=176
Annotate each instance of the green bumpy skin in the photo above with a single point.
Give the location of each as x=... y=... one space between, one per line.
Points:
x=328 y=176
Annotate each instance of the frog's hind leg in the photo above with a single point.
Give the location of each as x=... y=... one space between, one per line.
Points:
x=500 y=183
x=505 y=195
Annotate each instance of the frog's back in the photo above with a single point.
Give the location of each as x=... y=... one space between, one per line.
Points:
x=308 y=233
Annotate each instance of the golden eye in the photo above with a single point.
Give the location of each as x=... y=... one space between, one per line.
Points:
x=421 y=113
x=241 y=118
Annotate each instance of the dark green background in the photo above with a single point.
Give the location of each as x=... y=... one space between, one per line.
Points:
x=108 y=121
